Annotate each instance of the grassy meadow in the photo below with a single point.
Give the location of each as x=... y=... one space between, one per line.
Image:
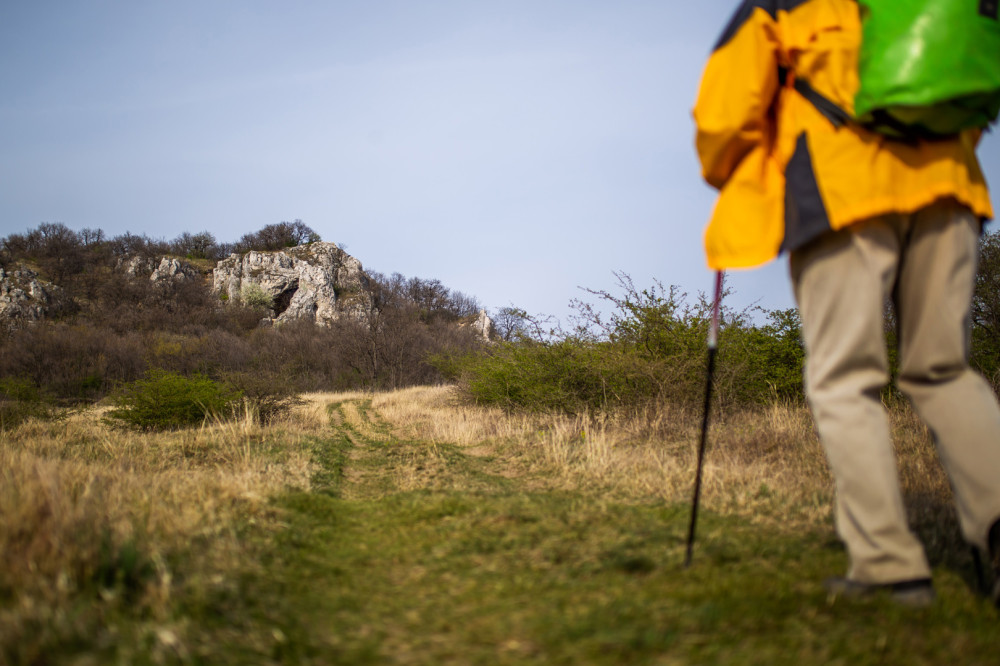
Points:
x=409 y=527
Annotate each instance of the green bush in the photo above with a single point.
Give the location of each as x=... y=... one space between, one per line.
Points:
x=761 y=363
x=252 y=295
x=19 y=388
x=567 y=375
x=267 y=396
x=20 y=400
x=15 y=412
x=165 y=400
x=650 y=347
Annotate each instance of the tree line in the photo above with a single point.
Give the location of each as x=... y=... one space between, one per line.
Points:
x=61 y=251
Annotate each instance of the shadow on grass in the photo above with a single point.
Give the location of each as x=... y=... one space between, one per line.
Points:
x=935 y=522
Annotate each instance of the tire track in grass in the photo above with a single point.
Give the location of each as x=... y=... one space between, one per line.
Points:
x=380 y=463
x=368 y=532
x=411 y=552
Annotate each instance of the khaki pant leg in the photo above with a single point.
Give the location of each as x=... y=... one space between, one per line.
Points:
x=933 y=299
x=841 y=283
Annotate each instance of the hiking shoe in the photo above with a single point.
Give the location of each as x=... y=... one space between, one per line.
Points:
x=917 y=593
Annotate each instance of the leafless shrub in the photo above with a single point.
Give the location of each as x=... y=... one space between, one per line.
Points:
x=73 y=362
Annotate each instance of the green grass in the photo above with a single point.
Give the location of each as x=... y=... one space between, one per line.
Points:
x=554 y=578
x=478 y=568
x=481 y=571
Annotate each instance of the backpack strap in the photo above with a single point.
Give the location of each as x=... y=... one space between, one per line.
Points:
x=830 y=109
x=882 y=121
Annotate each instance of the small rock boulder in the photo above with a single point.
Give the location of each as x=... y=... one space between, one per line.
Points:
x=174 y=270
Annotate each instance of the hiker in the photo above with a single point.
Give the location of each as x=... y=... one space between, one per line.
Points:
x=863 y=218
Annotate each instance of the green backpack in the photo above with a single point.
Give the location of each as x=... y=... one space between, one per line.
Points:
x=928 y=68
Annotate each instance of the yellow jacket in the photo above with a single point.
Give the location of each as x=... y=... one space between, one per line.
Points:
x=785 y=173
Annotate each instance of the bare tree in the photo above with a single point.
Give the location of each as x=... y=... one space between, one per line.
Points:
x=510 y=323
x=91 y=237
x=278 y=236
x=195 y=246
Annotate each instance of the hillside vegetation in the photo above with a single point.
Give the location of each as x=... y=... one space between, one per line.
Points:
x=631 y=349
x=111 y=327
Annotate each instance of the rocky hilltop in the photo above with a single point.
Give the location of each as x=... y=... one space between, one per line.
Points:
x=319 y=282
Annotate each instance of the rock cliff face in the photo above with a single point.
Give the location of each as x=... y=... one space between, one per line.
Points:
x=319 y=282
x=483 y=326
x=24 y=299
x=136 y=266
x=173 y=269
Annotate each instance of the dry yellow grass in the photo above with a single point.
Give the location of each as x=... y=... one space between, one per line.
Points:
x=74 y=492
x=76 y=476
x=766 y=465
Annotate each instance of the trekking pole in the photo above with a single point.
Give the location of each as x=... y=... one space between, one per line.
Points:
x=713 y=335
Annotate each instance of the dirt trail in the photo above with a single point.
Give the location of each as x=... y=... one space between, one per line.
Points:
x=377 y=462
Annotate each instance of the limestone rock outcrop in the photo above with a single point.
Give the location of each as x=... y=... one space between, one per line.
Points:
x=136 y=266
x=483 y=326
x=173 y=269
x=24 y=299
x=318 y=282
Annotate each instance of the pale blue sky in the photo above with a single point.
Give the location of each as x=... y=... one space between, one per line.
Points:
x=514 y=150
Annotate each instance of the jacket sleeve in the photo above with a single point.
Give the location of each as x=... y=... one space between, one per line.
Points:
x=733 y=110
